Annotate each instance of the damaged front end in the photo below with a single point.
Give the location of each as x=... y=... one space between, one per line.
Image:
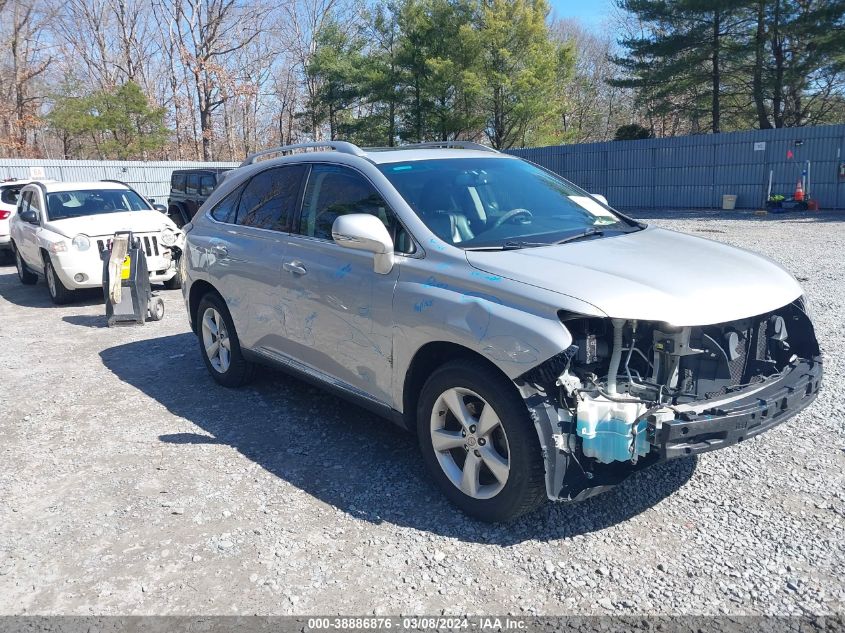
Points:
x=628 y=394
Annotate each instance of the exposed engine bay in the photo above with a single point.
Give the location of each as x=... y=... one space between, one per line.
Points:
x=622 y=380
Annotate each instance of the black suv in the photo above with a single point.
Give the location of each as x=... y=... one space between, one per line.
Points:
x=189 y=188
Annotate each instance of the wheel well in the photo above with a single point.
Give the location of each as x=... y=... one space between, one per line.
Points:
x=428 y=358
x=199 y=289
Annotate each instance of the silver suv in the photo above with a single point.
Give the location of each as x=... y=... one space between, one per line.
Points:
x=539 y=343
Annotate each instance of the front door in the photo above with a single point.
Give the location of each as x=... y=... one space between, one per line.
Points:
x=339 y=311
x=27 y=240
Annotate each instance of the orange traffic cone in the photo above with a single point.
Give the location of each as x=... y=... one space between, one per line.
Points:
x=798 y=196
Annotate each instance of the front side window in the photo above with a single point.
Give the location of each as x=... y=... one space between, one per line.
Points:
x=270 y=199
x=333 y=191
x=73 y=204
x=26 y=198
x=498 y=203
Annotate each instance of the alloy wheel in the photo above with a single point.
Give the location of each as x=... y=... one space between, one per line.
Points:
x=470 y=443
x=216 y=340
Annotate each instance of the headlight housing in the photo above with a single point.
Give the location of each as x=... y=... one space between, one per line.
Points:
x=169 y=236
x=57 y=247
x=81 y=242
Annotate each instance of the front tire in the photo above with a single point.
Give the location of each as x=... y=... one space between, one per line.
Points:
x=219 y=344
x=27 y=277
x=58 y=292
x=479 y=443
x=175 y=282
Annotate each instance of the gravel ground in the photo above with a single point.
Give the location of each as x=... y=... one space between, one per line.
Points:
x=130 y=483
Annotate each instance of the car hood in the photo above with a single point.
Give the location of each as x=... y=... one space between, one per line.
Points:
x=652 y=275
x=109 y=223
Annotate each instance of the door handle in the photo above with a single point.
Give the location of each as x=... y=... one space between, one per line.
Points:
x=220 y=250
x=295 y=267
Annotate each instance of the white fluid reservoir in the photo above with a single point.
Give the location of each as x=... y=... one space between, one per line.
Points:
x=606 y=428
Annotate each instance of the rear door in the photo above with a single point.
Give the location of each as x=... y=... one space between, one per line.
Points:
x=245 y=248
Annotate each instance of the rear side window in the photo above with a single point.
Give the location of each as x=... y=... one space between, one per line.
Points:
x=177 y=183
x=227 y=209
x=270 y=198
x=9 y=195
x=193 y=184
x=206 y=185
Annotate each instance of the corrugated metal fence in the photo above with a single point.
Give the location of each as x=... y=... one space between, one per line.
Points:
x=151 y=179
x=693 y=172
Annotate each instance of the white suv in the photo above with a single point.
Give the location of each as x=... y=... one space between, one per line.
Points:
x=61 y=228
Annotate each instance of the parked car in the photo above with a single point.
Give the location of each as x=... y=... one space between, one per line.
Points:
x=9 y=192
x=61 y=228
x=189 y=188
x=541 y=344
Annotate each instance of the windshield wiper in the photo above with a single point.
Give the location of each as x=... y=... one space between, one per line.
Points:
x=580 y=236
x=510 y=245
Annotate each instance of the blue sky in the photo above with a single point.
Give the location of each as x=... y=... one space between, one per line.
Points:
x=590 y=12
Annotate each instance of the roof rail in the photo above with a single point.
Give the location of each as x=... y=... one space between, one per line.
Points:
x=338 y=146
x=448 y=145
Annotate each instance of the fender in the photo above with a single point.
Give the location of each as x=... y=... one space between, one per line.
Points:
x=435 y=300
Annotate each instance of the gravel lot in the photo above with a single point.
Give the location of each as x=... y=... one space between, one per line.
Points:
x=130 y=483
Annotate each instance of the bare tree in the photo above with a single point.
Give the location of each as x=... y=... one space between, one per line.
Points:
x=209 y=32
x=28 y=59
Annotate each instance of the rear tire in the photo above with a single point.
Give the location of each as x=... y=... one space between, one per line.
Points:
x=487 y=461
x=175 y=214
x=27 y=277
x=219 y=344
x=58 y=292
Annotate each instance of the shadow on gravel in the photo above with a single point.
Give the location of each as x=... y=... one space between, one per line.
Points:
x=346 y=456
x=37 y=296
x=87 y=320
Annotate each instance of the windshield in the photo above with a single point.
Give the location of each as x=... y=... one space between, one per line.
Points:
x=495 y=202
x=62 y=205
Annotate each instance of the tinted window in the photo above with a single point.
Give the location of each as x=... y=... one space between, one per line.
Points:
x=206 y=185
x=333 y=191
x=193 y=184
x=177 y=182
x=10 y=195
x=270 y=198
x=227 y=209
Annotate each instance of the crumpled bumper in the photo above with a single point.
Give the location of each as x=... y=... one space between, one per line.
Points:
x=712 y=425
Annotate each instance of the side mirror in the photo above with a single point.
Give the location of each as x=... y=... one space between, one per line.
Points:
x=365 y=232
x=29 y=216
x=160 y=207
x=601 y=199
